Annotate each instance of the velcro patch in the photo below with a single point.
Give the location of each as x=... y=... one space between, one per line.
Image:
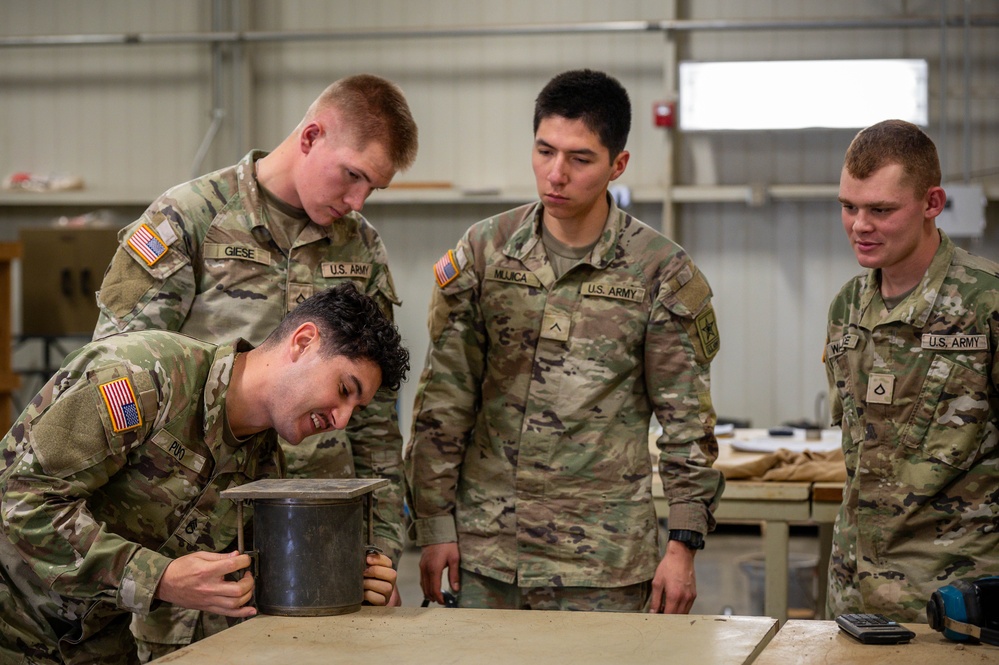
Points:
x=707 y=330
x=446 y=270
x=216 y=250
x=955 y=342
x=620 y=291
x=166 y=233
x=298 y=293
x=555 y=326
x=194 y=524
x=525 y=277
x=880 y=389
x=147 y=244
x=346 y=270
x=171 y=446
x=119 y=398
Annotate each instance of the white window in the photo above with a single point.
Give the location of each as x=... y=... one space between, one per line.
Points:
x=800 y=94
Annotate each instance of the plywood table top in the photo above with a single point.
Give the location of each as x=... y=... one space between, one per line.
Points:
x=496 y=637
x=822 y=642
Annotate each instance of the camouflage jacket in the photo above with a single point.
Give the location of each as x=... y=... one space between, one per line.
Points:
x=112 y=471
x=201 y=260
x=531 y=421
x=915 y=391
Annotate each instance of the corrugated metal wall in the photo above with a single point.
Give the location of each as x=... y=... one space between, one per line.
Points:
x=129 y=119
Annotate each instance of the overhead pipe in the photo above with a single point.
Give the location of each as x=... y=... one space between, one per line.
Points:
x=678 y=25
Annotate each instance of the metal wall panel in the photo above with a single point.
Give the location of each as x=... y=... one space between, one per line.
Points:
x=130 y=118
x=125 y=118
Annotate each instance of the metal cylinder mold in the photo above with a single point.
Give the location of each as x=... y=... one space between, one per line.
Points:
x=310 y=556
x=309 y=547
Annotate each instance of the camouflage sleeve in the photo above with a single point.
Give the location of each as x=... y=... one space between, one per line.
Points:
x=446 y=402
x=994 y=370
x=150 y=283
x=376 y=445
x=834 y=331
x=681 y=340
x=65 y=458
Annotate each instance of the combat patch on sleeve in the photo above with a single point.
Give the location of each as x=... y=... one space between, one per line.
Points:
x=147 y=244
x=707 y=331
x=123 y=408
x=447 y=269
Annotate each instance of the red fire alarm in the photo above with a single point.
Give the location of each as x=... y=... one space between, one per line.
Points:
x=664 y=114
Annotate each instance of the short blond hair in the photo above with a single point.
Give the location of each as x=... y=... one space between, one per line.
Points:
x=895 y=142
x=374 y=109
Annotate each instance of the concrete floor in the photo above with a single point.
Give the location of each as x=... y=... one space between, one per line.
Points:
x=723 y=586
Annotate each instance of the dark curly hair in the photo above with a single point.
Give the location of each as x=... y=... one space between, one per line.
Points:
x=351 y=325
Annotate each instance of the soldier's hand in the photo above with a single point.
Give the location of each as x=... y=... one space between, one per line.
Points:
x=379 y=579
x=433 y=561
x=197 y=581
x=674 y=587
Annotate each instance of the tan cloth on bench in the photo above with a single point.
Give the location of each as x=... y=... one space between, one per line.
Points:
x=785 y=465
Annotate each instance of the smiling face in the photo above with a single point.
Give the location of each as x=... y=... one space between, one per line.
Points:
x=572 y=170
x=889 y=226
x=334 y=175
x=315 y=393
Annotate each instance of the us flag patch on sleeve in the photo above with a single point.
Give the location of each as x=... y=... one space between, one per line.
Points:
x=147 y=244
x=446 y=269
x=122 y=407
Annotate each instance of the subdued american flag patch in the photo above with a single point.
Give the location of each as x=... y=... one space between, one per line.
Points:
x=120 y=400
x=147 y=244
x=446 y=269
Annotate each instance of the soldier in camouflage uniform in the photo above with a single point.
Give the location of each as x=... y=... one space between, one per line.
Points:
x=914 y=379
x=110 y=494
x=230 y=253
x=557 y=330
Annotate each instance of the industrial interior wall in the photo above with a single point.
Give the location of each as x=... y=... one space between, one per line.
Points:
x=129 y=119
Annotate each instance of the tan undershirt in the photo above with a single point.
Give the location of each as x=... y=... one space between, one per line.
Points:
x=563 y=257
x=287 y=221
x=893 y=302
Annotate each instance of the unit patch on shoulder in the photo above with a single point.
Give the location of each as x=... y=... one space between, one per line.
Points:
x=707 y=330
x=119 y=398
x=147 y=244
x=446 y=269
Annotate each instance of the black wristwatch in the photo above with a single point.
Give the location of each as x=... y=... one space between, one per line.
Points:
x=692 y=539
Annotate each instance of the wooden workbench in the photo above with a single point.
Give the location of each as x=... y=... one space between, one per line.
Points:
x=432 y=636
x=823 y=643
x=775 y=505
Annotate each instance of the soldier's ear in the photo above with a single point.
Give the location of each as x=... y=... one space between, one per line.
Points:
x=936 y=200
x=619 y=164
x=304 y=337
x=310 y=134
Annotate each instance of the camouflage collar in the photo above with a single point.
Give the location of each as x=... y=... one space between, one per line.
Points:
x=216 y=390
x=528 y=235
x=246 y=179
x=916 y=308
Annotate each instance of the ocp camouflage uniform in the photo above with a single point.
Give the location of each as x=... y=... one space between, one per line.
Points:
x=111 y=472
x=915 y=391
x=531 y=421
x=203 y=260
